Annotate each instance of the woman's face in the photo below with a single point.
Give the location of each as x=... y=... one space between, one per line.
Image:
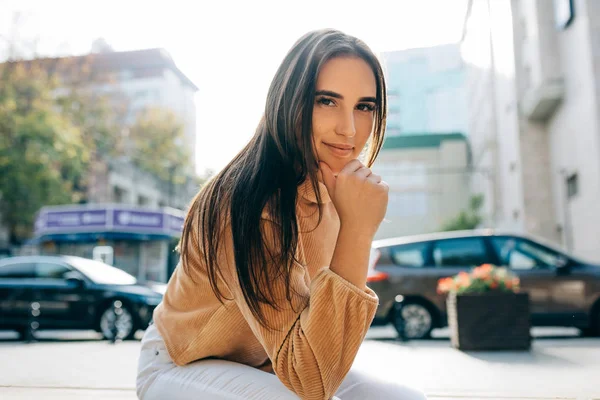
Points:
x=344 y=110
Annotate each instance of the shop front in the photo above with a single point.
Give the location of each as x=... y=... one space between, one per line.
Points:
x=139 y=240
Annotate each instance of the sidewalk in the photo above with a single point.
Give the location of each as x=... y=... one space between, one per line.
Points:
x=129 y=394
x=555 y=368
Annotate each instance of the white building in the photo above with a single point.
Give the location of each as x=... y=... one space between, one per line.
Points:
x=426 y=90
x=428 y=175
x=146 y=78
x=534 y=101
x=150 y=78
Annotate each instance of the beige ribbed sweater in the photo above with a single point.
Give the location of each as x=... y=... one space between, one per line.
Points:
x=316 y=337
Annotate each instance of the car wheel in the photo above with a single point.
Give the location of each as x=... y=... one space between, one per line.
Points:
x=116 y=318
x=416 y=319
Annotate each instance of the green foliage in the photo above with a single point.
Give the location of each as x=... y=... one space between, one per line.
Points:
x=158 y=143
x=56 y=122
x=467 y=219
x=43 y=156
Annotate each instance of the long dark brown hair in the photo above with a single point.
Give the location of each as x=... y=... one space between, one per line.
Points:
x=267 y=172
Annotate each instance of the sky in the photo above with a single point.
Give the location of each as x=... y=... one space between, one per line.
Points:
x=229 y=49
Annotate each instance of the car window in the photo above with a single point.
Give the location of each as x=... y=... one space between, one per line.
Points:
x=50 y=270
x=409 y=255
x=460 y=252
x=17 y=270
x=521 y=254
x=99 y=272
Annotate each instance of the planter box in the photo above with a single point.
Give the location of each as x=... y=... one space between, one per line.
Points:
x=489 y=321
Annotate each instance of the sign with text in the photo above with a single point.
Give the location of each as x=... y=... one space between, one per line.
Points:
x=109 y=218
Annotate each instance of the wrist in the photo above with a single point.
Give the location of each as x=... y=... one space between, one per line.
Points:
x=359 y=232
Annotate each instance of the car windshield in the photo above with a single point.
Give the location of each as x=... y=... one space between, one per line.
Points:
x=546 y=243
x=101 y=273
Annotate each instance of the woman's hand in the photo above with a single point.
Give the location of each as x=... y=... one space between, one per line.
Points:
x=359 y=196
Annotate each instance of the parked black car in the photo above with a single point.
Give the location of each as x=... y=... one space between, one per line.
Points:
x=66 y=292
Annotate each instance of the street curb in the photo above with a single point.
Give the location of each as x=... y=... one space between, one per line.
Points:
x=129 y=391
x=498 y=396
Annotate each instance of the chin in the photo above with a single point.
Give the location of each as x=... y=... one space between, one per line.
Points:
x=337 y=165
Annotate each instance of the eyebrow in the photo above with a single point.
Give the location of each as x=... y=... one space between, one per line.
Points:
x=339 y=96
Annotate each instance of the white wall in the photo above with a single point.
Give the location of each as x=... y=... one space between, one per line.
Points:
x=528 y=156
x=423 y=193
x=574 y=137
x=508 y=173
x=168 y=92
x=486 y=95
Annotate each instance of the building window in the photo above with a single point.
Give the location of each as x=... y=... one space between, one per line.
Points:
x=142 y=200
x=119 y=194
x=564 y=13
x=572 y=185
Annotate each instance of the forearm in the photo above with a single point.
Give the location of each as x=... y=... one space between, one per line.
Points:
x=351 y=256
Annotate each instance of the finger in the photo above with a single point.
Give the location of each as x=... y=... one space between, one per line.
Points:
x=328 y=178
x=364 y=172
x=351 y=167
x=385 y=186
x=374 y=178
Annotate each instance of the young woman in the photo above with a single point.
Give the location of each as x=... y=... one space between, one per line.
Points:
x=270 y=298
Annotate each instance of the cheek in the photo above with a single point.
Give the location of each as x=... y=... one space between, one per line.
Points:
x=364 y=128
x=320 y=125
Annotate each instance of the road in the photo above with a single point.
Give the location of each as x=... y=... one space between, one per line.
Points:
x=77 y=365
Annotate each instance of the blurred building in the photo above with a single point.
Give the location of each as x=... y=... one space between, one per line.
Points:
x=426 y=170
x=130 y=213
x=149 y=78
x=134 y=80
x=119 y=181
x=426 y=90
x=534 y=108
x=428 y=175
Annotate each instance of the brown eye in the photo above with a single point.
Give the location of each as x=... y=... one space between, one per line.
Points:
x=325 y=101
x=367 y=107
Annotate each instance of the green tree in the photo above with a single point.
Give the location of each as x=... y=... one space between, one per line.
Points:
x=158 y=145
x=467 y=219
x=43 y=156
x=55 y=126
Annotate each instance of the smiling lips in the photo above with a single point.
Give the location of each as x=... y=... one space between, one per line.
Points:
x=340 y=149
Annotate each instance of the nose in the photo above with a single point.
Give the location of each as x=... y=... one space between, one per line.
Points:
x=345 y=124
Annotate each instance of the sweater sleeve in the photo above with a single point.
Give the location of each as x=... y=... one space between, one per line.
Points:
x=313 y=339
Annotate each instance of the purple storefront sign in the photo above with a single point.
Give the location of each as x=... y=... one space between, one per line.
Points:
x=137 y=219
x=109 y=218
x=175 y=223
x=74 y=219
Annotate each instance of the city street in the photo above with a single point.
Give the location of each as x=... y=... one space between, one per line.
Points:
x=77 y=365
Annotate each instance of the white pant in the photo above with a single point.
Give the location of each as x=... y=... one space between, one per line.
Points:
x=159 y=378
